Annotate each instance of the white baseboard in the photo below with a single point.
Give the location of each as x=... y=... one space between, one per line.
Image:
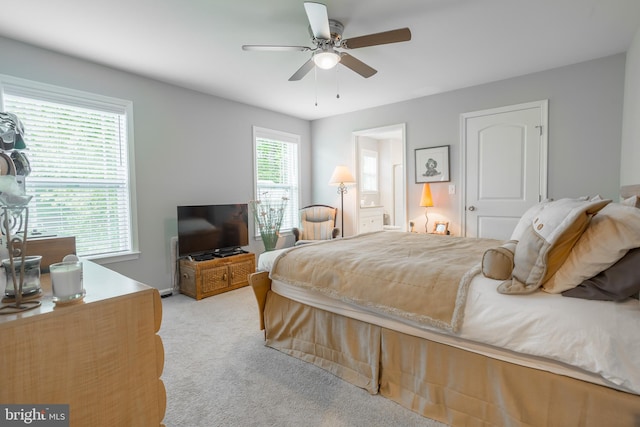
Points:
x=165 y=292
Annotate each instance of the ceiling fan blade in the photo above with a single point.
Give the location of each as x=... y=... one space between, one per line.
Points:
x=356 y=65
x=318 y=20
x=273 y=48
x=393 y=36
x=302 y=71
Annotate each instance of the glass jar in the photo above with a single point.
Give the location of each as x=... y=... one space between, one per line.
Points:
x=31 y=282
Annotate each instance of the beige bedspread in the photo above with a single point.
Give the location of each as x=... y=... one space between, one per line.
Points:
x=423 y=278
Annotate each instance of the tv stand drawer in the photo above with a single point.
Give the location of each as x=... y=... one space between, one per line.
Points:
x=214 y=278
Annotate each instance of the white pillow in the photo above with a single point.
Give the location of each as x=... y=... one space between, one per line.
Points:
x=547 y=242
x=533 y=211
x=525 y=220
x=611 y=234
x=632 y=201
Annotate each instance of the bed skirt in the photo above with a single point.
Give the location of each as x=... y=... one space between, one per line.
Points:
x=345 y=347
x=444 y=383
x=458 y=387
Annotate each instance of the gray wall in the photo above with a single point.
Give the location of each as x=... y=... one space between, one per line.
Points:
x=585 y=122
x=630 y=158
x=190 y=148
x=194 y=148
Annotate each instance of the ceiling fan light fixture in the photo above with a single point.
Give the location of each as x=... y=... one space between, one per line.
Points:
x=326 y=36
x=326 y=59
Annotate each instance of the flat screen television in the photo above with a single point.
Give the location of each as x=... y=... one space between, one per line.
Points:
x=208 y=231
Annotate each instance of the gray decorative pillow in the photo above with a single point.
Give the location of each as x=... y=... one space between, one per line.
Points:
x=618 y=282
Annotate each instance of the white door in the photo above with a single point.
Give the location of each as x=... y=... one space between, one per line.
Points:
x=506 y=167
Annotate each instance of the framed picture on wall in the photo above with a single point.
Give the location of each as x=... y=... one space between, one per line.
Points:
x=432 y=164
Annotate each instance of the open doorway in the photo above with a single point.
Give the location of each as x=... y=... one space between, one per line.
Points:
x=381 y=188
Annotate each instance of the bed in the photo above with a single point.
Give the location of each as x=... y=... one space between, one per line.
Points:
x=529 y=348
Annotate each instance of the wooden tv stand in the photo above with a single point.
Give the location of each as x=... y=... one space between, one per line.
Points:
x=201 y=279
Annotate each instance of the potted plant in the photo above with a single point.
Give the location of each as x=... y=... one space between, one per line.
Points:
x=268 y=213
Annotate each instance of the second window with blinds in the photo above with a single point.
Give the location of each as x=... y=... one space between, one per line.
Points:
x=276 y=160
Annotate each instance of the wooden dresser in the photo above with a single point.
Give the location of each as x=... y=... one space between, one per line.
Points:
x=102 y=355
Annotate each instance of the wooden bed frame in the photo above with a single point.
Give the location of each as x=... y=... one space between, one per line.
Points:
x=441 y=382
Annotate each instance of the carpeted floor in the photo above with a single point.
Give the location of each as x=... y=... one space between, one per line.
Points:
x=218 y=372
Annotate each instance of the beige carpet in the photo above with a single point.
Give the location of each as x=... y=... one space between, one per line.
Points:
x=218 y=372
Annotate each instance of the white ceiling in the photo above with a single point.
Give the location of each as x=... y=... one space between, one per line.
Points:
x=197 y=43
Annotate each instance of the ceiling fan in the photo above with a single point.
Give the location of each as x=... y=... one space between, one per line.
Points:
x=327 y=37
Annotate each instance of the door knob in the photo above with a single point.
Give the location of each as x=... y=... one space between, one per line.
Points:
x=472 y=208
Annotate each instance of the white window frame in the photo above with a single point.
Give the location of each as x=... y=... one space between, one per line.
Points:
x=368 y=178
x=294 y=199
x=58 y=94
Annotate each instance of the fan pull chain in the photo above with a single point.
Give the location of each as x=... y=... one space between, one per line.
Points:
x=315 y=78
x=337 y=83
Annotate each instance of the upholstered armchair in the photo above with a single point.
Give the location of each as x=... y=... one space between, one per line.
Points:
x=317 y=222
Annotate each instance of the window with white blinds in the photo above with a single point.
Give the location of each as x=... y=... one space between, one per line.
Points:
x=78 y=149
x=369 y=171
x=276 y=171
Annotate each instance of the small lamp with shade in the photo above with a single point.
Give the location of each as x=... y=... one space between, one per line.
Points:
x=427 y=201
